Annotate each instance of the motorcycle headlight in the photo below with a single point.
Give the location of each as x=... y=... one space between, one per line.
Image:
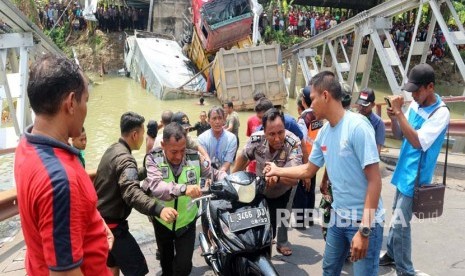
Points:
x=246 y=193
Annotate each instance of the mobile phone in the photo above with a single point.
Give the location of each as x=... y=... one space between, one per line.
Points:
x=388 y=102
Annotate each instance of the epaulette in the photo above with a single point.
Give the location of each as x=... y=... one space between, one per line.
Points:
x=255 y=138
x=291 y=141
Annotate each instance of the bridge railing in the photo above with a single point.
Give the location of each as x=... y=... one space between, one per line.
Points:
x=8 y=199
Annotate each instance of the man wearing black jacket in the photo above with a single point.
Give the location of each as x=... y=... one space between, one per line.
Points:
x=118 y=190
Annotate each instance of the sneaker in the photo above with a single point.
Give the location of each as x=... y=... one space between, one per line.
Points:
x=386 y=260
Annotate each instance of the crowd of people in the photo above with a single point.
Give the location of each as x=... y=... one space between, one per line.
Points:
x=73 y=224
x=109 y=18
x=304 y=23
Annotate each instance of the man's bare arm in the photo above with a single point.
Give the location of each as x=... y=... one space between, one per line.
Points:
x=241 y=162
x=298 y=172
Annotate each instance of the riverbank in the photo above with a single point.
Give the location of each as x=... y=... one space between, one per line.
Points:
x=102 y=53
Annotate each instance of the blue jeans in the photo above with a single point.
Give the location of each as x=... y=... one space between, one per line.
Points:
x=338 y=243
x=399 y=243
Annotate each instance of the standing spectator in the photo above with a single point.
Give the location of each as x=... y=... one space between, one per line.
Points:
x=135 y=19
x=253 y=123
x=152 y=129
x=221 y=145
x=232 y=123
x=62 y=228
x=366 y=102
x=202 y=125
x=80 y=142
x=276 y=20
x=304 y=198
x=313 y=27
x=423 y=128
x=332 y=22
x=117 y=183
x=346 y=144
x=173 y=177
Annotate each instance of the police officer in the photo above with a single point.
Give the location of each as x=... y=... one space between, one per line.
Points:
x=278 y=145
x=118 y=189
x=173 y=177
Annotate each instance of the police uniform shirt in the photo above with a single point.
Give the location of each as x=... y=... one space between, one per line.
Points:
x=289 y=155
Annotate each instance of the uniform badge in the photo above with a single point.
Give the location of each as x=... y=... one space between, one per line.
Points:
x=164 y=172
x=316 y=125
x=191 y=176
x=290 y=140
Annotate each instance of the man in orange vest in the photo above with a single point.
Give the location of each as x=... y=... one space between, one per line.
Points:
x=304 y=199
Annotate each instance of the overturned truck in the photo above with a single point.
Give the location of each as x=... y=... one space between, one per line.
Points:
x=222 y=48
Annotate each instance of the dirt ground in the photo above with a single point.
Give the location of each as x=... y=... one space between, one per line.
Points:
x=101 y=53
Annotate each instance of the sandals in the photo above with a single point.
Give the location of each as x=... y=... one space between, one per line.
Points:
x=285 y=251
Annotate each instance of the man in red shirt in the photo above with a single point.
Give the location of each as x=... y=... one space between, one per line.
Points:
x=63 y=231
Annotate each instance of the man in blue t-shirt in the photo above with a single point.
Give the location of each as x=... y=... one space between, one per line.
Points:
x=366 y=102
x=346 y=144
x=423 y=127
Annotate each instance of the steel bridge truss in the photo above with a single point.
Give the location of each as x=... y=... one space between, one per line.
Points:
x=374 y=24
x=20 y=43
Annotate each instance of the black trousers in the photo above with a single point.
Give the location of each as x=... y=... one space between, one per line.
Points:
x=274 y=204
x=304 y=200
x=126 y=253
x=175 y=251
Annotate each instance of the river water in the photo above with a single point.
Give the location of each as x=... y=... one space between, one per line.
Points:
x=112 y=96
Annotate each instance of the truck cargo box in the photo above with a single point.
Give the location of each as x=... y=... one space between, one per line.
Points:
x=239 y=73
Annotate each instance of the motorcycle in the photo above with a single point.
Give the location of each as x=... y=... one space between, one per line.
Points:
x=236 y=237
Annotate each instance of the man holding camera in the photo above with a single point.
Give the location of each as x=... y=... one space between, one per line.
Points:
x=422 y=127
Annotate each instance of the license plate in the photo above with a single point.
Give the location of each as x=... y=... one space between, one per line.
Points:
x=248 y=219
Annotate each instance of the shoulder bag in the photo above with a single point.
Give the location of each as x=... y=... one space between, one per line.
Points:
x=428 y=199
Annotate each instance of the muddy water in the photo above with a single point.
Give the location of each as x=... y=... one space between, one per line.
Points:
x=110 y=97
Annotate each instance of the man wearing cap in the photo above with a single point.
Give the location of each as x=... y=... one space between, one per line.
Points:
x=173 y=177
x=422 y=127
x=366 y=102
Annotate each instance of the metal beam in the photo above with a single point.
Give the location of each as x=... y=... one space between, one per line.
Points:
x=387 y=9
x=15 y=40
x=6 y=88
x=12 y=16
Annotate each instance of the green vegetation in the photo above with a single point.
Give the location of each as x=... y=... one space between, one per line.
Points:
x=286 y=40
x=59 y=35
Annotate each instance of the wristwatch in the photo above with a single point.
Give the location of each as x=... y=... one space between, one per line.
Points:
x=364 y=231
x=183 y=189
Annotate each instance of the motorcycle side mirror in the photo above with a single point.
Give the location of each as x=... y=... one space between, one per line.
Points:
x=224 y=190
x=261 y=185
